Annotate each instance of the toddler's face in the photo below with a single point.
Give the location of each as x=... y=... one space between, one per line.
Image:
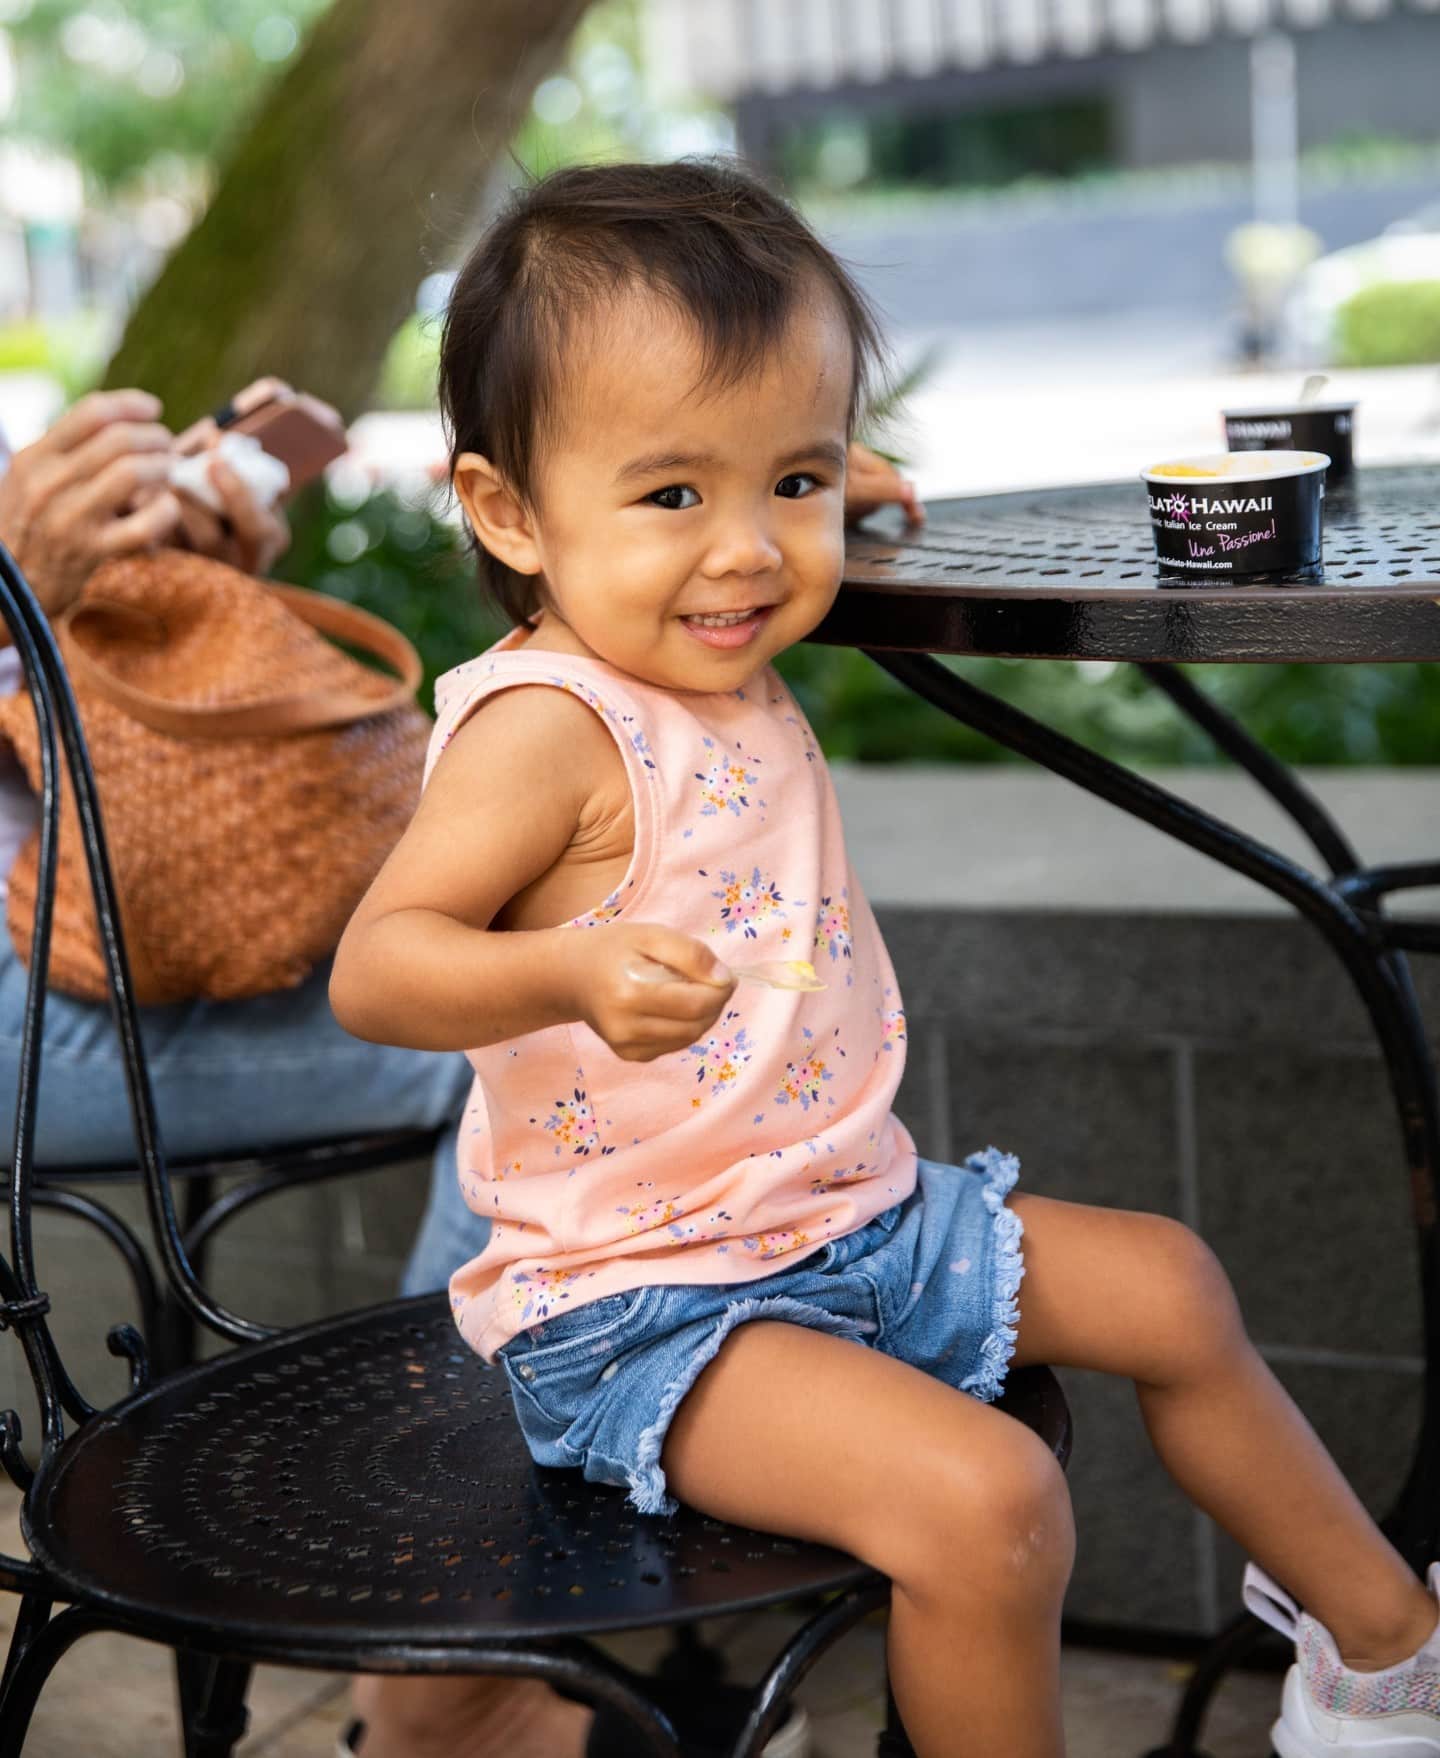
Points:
x=687 y=535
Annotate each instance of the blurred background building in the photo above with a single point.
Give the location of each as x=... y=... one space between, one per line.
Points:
x=965 y=91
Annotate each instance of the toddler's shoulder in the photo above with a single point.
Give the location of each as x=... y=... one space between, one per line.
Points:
x=536 y=727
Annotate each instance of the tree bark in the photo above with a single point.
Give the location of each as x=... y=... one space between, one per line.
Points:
x=359 y=176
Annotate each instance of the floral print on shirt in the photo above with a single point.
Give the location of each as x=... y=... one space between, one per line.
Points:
x=721 y=1057
x=804 y=1077
x=832 y=927
x=839 y=1175
x=538 y=1292
x=747 y=903
x=726 y=784
x=766 y=1245
x=650 y=1212
x=573 y=1123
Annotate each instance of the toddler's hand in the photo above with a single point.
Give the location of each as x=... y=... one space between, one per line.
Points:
x=872 y=482
x=641 y=1012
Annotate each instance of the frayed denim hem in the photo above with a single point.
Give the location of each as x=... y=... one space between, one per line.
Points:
x=987 y=1378
x=648 y=1494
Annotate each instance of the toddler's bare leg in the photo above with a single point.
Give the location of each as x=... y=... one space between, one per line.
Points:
x=1142 y=1296
x=802 y=1432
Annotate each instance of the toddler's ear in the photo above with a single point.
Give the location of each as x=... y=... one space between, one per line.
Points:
x=496 y=515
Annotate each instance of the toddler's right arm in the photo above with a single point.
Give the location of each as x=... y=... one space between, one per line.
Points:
x=420 y=965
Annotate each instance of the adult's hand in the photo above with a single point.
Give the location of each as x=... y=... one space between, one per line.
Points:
x=95 y=485
x=244 y=532
x=872 y=482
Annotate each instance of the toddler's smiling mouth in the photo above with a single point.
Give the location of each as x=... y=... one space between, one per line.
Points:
x=731 y=628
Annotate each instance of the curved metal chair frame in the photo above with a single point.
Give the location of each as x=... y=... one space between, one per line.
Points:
x=352 y=1494
x=168 y=1330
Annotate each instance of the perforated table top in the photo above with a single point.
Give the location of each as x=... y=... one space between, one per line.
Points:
x=1071 y=574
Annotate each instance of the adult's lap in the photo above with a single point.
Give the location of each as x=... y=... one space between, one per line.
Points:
x=226 y=1075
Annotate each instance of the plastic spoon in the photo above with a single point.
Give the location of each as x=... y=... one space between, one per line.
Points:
x=786 y=973
x=1313 y=386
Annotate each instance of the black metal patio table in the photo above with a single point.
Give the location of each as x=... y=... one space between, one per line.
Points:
x=1070 y=573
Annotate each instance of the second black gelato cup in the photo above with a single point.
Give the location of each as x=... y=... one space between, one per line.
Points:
x=1248 y=517
x=1302 y=427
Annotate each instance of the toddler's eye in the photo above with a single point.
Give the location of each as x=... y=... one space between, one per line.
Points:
x=658 y=498
x=800 y=476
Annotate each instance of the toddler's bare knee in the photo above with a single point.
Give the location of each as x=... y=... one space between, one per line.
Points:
x=998 y=1526
x=1197 y=1322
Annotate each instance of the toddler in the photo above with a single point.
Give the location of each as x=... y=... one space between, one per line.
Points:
x=717 y=1270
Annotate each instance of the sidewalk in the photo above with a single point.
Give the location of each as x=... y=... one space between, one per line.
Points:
x=112 y=1697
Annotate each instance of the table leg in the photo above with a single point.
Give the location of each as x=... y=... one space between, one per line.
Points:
x=1346 y=907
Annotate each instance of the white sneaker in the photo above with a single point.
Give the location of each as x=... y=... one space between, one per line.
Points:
x=1327 y=1710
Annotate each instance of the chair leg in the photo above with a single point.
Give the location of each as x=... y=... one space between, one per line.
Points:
x=29 y=1667
x=1239 y=1638
x=213 y=1715
x=32 y=1617
x=894 y=1742
x=690 y=1660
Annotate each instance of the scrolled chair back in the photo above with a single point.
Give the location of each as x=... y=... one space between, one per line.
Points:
x=24 y=1306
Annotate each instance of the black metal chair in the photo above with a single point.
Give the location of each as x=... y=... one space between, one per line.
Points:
x=258 y=1172
x=352 y=1494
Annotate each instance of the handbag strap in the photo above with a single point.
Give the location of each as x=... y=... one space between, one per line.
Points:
x=260 y=716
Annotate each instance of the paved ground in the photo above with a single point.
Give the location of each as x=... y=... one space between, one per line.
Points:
x=112 y=1697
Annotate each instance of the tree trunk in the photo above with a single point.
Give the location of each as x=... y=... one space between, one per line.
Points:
x=359 y=176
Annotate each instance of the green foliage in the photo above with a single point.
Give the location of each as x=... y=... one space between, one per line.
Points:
x=601 y=79
x=407 y=379
x=1397 y=324
x=950 y=148
x=1304 y=714
x=403 y=562
x=72 y=352
x=119 y=84
x=413 y=567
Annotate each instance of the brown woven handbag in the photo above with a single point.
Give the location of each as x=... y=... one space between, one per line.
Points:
x=252 y=776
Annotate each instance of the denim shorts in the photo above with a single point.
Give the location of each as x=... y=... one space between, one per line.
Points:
x=933 y=1281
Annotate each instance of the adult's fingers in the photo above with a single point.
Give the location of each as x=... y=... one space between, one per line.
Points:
x=260 y=532
x=201 y=529
x=114 y=488
x=98 y=410
x=258 y=391
x=156 y=522
x=325 y=413
x=120 y=439
x=197 y=437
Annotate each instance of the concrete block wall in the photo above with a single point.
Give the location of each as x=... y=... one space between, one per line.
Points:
x=1219 y=1070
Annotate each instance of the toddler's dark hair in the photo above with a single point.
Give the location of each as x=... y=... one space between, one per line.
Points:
x=731 y=256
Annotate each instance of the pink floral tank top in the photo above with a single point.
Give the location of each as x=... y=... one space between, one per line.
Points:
x=746 y=1152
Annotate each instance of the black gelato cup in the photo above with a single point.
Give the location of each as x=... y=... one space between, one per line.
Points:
x=1298 y=427
x=1251 y=518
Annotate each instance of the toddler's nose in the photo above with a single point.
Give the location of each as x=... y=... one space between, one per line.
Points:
x=743 y=548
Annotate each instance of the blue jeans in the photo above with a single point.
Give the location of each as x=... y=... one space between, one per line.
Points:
x=227 y=1076
x=933 y=1282
x=451 y=1233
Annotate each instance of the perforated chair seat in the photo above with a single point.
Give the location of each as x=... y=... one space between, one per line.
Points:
x=364 y=1480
